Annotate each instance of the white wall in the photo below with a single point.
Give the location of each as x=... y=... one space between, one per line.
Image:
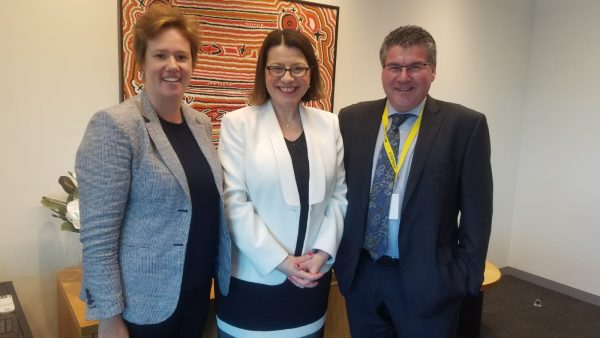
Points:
x=59 y=65
x=483 y=55
x=556 y=224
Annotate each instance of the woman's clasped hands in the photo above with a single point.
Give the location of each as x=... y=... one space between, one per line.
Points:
x=304 y=271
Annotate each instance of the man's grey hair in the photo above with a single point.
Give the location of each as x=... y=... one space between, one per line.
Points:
x=407 y=36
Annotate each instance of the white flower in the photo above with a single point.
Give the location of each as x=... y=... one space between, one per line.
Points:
x=73 y=213
x=66 y=209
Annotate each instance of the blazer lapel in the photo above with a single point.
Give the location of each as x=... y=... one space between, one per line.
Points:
x=162 y=144
x=430 y=125
x=368 y=132
x=316 y=182
x=287 y=178
x=197 y=127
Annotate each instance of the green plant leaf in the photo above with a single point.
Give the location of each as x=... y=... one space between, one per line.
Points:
x=57 y=215
x=52 y=203
x=59 y=207
x=67 y=184
x=66 y=226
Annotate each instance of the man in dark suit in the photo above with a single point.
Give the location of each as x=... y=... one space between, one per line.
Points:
x=419 y=212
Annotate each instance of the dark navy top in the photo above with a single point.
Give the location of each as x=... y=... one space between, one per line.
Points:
x=203 y=235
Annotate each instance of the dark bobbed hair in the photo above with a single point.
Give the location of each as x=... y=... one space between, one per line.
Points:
x=158 y=18
x=288 y=38
x=407 y=36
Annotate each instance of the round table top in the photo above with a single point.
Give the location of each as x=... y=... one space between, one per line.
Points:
x=491 y=275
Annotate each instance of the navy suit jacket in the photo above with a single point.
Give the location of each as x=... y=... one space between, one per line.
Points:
x=447 y=209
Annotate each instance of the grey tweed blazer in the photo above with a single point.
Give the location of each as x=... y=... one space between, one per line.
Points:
x=135 y=212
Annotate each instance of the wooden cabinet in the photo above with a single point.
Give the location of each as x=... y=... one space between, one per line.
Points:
x=71 y=310
x=72 y=323
x=336 y=325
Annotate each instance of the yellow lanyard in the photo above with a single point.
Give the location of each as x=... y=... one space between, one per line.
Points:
x=388 y=147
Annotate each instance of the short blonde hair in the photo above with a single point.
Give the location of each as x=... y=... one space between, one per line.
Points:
x=158 y=18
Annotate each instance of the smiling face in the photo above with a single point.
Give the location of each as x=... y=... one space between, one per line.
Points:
x=167 y=66
x=286 y=91
x=406 y=89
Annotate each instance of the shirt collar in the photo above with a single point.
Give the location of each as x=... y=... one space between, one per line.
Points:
x=416 y=111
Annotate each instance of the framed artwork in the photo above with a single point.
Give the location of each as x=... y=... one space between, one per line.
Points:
x=232 y=32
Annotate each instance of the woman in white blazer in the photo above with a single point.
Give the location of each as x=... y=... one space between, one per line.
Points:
x=285 y=197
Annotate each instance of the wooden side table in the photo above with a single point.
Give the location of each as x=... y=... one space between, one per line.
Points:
x=71 y=310
x=336 y=324
x=491 y=275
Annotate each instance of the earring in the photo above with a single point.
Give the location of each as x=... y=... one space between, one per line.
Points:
x=142 y=74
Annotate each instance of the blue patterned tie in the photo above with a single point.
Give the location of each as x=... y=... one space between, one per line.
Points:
x=376 y=239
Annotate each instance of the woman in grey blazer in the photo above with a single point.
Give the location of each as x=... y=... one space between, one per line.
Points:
x=150 y=188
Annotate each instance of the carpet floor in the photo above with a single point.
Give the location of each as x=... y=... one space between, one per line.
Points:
x=516 y=308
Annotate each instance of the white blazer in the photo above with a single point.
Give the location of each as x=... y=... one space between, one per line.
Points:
x=261 y=197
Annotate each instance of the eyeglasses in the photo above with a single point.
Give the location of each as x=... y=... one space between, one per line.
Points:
x=294 y=71
x=413 y=68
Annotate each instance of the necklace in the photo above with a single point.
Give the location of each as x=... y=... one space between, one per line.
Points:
x=289 y=123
